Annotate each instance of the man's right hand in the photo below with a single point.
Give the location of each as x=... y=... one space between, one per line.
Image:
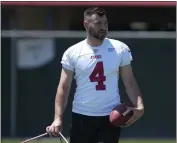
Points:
x=55 y=128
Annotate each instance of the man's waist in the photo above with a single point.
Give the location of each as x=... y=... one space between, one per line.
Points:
x=94 y=108
x=97 y=110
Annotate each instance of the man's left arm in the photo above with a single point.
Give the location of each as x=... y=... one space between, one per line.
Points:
x=133 y=92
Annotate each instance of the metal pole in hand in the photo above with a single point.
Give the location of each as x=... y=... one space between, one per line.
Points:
x=63 y=137
x=31 y=139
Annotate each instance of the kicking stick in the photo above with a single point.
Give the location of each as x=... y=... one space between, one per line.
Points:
x=63 y=137
x=31 y=139
x=42 y=135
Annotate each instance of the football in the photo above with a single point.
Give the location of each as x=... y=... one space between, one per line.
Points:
x=120 y=115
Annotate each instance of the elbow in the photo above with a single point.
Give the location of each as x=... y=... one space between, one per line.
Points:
x=63 y=90
x=130 y=85
x=63 y=87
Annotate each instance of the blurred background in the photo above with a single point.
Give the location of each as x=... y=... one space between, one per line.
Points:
x=34 y=37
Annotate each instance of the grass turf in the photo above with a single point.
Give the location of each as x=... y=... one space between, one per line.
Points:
x=121 y=141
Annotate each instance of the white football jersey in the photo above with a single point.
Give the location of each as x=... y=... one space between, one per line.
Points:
x=96 y=72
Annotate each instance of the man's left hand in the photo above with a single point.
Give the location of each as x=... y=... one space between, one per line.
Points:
x=137 y=113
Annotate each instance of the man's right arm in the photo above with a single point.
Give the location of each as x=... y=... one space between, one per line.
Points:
x=63 y=92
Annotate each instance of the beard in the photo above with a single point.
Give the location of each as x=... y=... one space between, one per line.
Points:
x=97 y=34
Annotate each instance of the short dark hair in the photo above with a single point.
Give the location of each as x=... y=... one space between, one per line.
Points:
x=94 y=10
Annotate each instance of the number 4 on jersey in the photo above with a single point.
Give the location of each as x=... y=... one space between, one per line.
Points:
x=98 y=69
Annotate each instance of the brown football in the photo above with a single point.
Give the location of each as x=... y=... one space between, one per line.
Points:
x=120 y=115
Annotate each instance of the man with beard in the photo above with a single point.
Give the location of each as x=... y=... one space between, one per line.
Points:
x=96 y=64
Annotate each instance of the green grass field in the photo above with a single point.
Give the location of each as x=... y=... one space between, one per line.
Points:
x=121 y=141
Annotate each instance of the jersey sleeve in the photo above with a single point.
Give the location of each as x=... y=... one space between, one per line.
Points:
x=67 y=61
x=126 y=57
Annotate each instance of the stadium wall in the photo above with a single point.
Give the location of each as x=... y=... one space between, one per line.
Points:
x=154 y=68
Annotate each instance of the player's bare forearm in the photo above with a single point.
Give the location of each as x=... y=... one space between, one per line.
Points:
x=63 y=92
x=61 y=102
x=131 y=86
x=134 y=93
